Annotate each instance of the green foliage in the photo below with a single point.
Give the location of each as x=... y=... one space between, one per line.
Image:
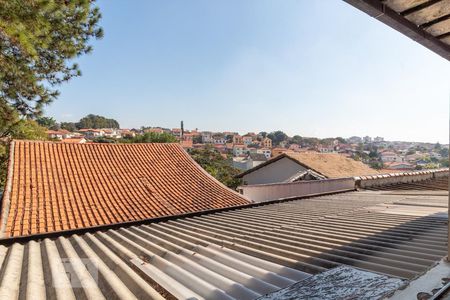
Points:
x=341 y=140
x=38 y=42
x=444 y=163
x=376 y=165
x=310 y=142
x=277 y=137
x=47 y=122
x=296 y=139
x=216 y=165
x=70 y=126
x=444 y=152
x=263 y=134
x=197 y=139
x=154 y=137
x=12 y=127
x=105 y=140
x=96 y=122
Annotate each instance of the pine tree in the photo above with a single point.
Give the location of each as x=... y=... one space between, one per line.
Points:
x=38 y=42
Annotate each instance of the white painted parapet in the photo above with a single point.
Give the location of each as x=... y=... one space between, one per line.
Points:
x=276 y=191
x=394 y=178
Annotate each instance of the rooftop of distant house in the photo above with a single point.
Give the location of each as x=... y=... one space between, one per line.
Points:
x=330 y=165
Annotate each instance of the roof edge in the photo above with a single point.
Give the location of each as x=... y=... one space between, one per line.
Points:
x=6 y=199
x=272 y=160
x=275 y=159
x=65 y=233
x=212 y=177
x=391 y=18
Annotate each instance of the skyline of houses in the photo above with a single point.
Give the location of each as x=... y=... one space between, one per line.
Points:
x=250 y=149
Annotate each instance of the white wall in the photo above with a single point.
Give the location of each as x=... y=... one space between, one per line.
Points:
x=267 y=192
x=275 y=172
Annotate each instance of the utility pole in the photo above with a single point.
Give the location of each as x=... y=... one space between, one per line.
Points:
x=182 y=130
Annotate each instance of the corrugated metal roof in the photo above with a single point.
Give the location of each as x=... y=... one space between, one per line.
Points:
x=428 y=185
x=236 y=254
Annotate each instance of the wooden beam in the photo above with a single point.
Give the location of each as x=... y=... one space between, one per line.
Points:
x=383 y=13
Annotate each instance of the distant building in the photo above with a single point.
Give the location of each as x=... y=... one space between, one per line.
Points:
x=378 y=139
x=367 y=139
x=354 y=140
x=389 y=156
x=219 y=139
x=256 y=159
x=247 y=139
x=237 y=139
x=293 y=166
x=59 y=134
x=207 y=137
x=266 y=143
x=92 y=133
x=239 y=150
x=176 y=132
x=266 y=151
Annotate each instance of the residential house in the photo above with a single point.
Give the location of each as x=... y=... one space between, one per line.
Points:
x=155 y=130
x=325 y=148
x=177 y=133
x=367 y=139
x=239 y=150
x=127 y=133
x=207 y=137
x=389 y=156
x=237 y=139
x=255 y=159
x=249 y=161
x=288 y=166
x=111 y=133
x=354 y=140
x=219 y=139
x=266 y=143
x=91 y=133
x=59 y=134
x=266 y=151
x=247 y=139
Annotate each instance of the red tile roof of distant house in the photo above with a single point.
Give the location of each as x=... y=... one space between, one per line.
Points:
x=57 y=186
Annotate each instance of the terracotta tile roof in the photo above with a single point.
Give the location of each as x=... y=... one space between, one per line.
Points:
x=332 y=165
x=59 y=186
x=74 y=140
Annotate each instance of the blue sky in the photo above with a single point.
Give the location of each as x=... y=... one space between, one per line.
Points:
x=313 y=68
